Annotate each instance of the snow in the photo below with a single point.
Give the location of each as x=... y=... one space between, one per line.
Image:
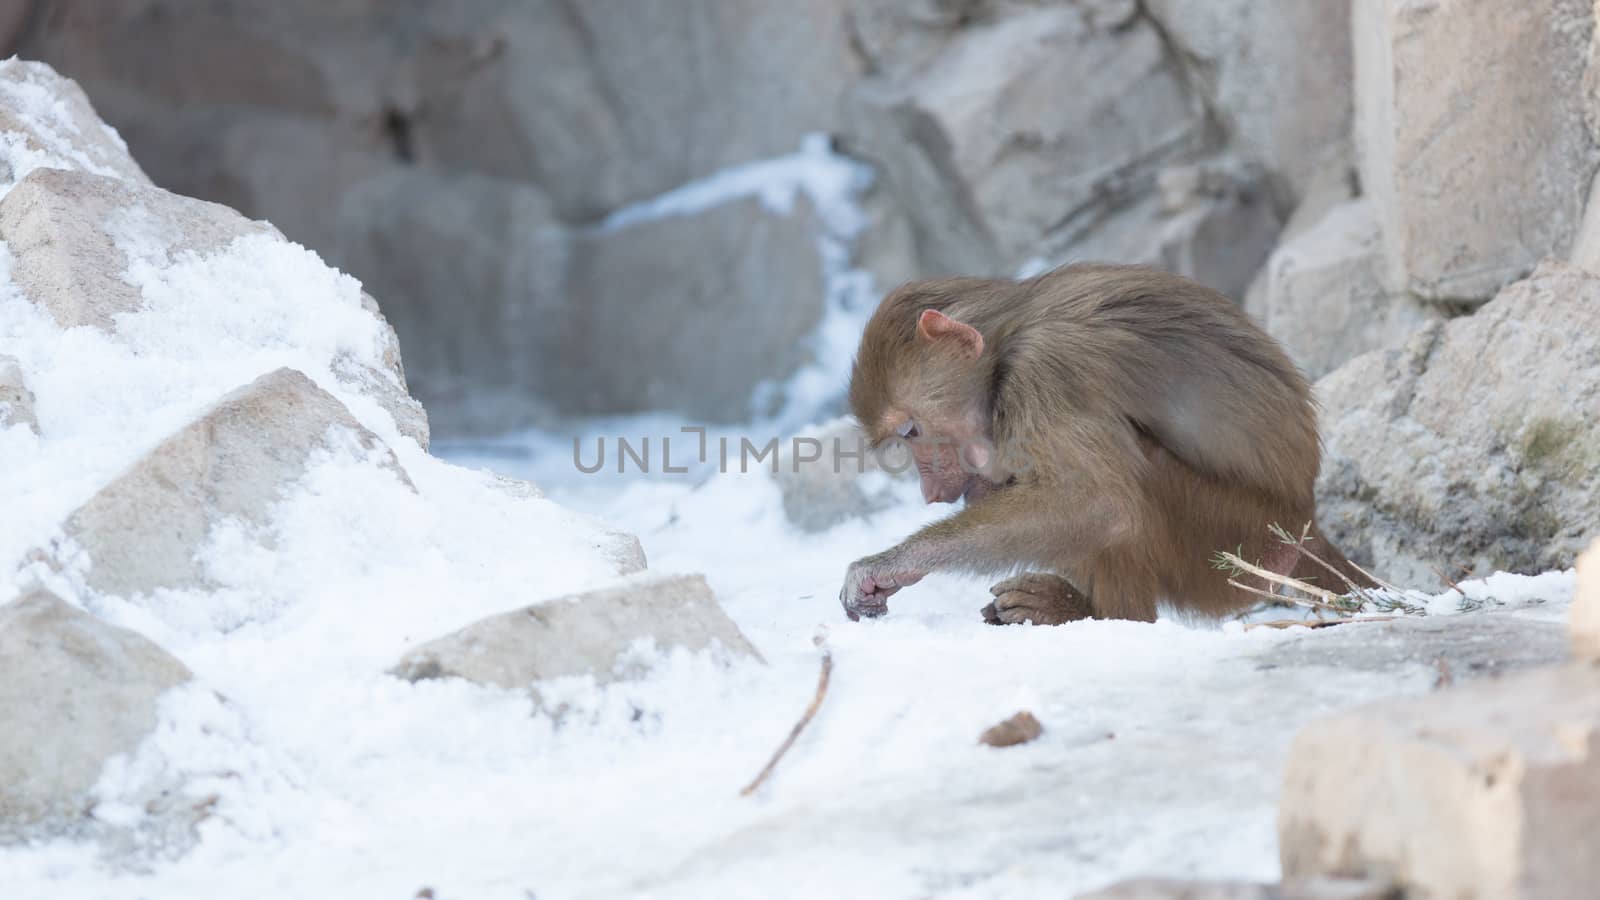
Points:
x=325 y=777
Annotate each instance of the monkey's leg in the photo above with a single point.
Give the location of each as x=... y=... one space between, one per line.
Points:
x=1036 y=598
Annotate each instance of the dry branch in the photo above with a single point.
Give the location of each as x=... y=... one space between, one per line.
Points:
x=794 y=733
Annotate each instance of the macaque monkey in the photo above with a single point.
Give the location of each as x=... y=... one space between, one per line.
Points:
x=1110 y=429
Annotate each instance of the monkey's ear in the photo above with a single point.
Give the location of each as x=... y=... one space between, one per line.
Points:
x=937 y=328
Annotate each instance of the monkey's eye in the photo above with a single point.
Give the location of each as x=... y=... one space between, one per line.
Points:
x=908 y=430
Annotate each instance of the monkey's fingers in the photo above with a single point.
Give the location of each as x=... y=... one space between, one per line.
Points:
x=1034 y=583
x=991 y=615
x=1048 y=608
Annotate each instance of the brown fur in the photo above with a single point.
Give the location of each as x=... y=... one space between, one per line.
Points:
x=1158 y=425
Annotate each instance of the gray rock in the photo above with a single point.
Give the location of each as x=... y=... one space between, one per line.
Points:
x=46 y=120
x=1486 y=790
x=989 y=155
x=601 y=103
x=1472 y=137
x=1211 y=221
x=1475 y=443
x=495 y=250
x=1322 y=294
x=582 y=634
x=835 y=488
x=549 y=319
x=687 y=313
x=604 y=103
x=143 y=531
x=61 y=229
x=74 y=692
x=1276 y=74
x=1298 y=889
x=1472 y=645
x=16 y=401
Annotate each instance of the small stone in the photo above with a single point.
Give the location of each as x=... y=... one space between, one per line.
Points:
x=1019 y=729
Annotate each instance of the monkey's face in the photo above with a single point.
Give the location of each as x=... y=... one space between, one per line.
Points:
x=954 y=455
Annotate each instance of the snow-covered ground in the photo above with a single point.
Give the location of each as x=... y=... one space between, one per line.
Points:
x=1162 y=749
x=325 y=777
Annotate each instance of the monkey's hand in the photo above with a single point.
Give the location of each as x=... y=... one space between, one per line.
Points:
x=869 y=582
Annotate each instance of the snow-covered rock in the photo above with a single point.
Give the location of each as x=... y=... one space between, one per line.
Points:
x=78 y=240
x=16 y=401
x=74 y=692
x=46 y=120
x=1323 y=296
x=1474 y=443
x=1487 y=790
x=62 y=228
x=1585 y=622
x=145 y=529
x=583 y=634
x=1472 y=135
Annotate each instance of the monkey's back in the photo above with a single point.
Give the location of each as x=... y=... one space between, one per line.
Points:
x=1180 y=362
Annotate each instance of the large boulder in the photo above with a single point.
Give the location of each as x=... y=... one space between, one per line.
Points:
x=145 y=529
x=46 y=120
x=74 y=692
x=703 y=307
x=990 y=156
x=1487 y=790
x=581 y=634
x=1276 y=74
x=686 y=310
x=1213 y=222
x=16 y=401
x=1322 y=293
x=1474 y=443
x=602 y=104
x=1470 y=122
x=74 y=236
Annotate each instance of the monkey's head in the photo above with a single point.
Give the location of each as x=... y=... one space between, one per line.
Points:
x=922 y=377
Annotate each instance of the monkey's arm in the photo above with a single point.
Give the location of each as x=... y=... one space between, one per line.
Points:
x=1027 y=522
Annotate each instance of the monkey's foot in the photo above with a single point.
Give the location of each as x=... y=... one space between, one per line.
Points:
x=1036 y=598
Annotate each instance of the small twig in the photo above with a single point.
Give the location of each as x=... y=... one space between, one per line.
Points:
x=1376 y=580
x=1446 y=579
x=1279 y=599
x=1300 y=548
x=1329 y=599
x=794 y=733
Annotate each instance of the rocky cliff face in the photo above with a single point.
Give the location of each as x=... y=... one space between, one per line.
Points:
x=462 y=158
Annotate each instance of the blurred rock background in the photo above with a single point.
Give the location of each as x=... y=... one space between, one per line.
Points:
x=462 y=159
x=1349 y=170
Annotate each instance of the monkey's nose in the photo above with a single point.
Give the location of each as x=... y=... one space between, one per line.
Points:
x=930 y=490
